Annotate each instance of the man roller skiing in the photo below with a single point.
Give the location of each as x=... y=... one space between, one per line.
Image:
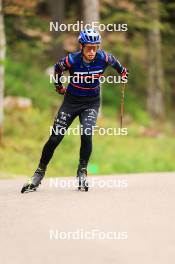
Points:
x=80 y=99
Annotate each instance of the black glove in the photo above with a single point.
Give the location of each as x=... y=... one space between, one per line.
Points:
x=59 y=88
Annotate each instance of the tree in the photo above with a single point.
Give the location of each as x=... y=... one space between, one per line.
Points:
x=57 y=11
x=155 y=99
x=90 y=10
x=2 y=70
x=91 y=14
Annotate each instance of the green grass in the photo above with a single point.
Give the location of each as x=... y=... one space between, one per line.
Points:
x=28 y=80
x=25 y=134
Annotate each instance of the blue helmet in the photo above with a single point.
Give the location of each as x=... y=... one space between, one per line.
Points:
x=89 y=36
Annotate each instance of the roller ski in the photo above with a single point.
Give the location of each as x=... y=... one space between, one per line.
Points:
x=82 y=180
x=33 y=183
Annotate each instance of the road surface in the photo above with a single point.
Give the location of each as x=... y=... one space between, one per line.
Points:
x=131 y=222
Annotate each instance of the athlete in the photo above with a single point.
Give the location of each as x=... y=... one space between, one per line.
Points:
x=81 y=98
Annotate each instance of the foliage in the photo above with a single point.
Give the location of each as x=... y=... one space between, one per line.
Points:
x=27 y=60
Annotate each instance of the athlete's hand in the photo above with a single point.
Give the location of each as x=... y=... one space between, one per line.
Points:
x=125 y=73
x=60 y=89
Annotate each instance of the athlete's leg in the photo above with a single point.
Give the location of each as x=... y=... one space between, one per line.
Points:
x=88 y=119
x=62 y=121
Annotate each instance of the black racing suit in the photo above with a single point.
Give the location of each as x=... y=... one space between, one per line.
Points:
x=86 y=108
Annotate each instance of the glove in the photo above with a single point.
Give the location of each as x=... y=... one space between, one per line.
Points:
x=60 y=89
x=125 y=73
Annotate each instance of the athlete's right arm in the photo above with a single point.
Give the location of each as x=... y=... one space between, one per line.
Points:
x=59 y=67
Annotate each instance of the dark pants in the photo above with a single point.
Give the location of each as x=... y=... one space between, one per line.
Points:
x=86 y=108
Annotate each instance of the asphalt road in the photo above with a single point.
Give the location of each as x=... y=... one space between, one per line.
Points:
x=131 y=222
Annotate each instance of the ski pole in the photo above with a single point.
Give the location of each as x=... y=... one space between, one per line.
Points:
x=122 y=104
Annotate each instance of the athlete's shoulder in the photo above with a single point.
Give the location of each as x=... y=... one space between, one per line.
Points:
x=73 y=57
x=110 y=58
x=102 y=55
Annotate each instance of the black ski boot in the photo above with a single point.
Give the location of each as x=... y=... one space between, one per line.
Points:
x=34 y=182
x=82 y=179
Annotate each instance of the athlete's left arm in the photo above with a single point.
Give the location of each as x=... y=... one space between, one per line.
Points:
x=112 y=61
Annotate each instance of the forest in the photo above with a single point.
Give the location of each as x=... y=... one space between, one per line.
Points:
x=34 y=34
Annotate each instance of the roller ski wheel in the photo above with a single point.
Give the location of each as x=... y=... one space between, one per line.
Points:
x=83 y=187
x=33 y=184
x=28 y=188
x=83 y=183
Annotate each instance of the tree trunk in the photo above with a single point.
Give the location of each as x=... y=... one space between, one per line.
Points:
x=155 y=99
x=57 y=11
x=90 y=10
x=91 y=14
x=2 y=71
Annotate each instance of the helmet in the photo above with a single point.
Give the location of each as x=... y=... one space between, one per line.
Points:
x=89 y=36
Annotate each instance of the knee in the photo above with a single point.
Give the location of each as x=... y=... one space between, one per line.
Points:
x=86 y=139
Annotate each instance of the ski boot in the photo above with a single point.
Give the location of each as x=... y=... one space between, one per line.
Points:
x=33 y=183
x=82 y=179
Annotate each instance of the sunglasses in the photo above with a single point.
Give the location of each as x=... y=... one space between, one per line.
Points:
x=89 y=48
